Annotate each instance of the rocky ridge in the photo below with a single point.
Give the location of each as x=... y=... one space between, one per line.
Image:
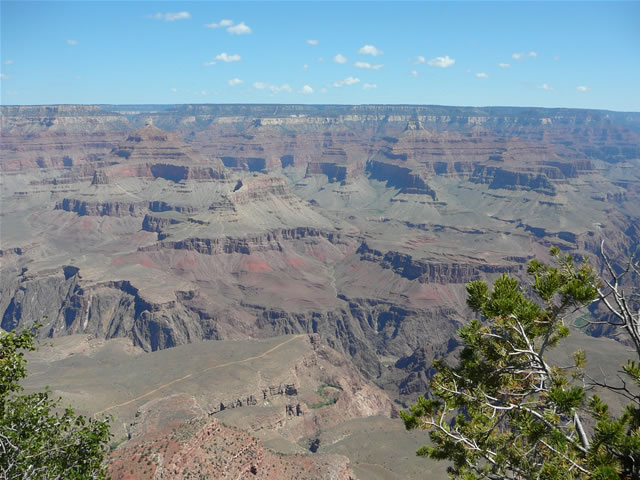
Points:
x=211 y=450
x=355 y=222
x=179 y=428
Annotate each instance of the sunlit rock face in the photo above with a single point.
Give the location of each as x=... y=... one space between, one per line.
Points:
x=167 y=225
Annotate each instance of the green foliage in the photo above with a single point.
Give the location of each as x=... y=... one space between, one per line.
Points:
x=13 y=366
x=37 y=440
x=327 y=400
x=503 y=412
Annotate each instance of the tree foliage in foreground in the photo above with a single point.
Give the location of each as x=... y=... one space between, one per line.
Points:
x=505 y=412
x=37 y=440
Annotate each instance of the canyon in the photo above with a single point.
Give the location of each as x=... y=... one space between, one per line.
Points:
x=130 y=232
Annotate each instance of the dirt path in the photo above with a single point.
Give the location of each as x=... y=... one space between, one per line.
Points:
x=213 y=367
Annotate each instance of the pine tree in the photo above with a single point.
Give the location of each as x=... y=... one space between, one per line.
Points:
x=505 y=412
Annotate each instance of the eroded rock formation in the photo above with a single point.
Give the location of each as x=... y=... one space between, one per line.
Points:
x=359 y=223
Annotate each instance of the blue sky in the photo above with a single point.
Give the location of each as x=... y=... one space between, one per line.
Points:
x=549 y=54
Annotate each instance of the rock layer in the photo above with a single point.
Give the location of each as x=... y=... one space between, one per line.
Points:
x=166 y=225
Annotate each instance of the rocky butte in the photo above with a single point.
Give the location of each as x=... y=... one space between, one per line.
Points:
x=343 y=235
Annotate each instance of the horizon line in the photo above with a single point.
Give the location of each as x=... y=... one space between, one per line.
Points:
x=315 y=105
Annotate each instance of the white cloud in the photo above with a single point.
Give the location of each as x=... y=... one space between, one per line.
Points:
x=4 y=77
x=367 y=66
x=320 y=59
x=312 y=42
x=274 y=88
x=504 y=65
x=305 y=66
x=339 y=58
x=370 y=50
x=441 y=62
x=545 y=86
x=221 y=24
x=223 y=57
x=420 y=60
x=323 y=90
x=307 y=89
x=172 y=16
x=414 y=73
x=8 y=62
x=174 y=90
x=234 y=82
x=521 y=55
x=347 y=81
x=282 y=88
x=369 y=86
x=73 y=43
x=583 y=88
x=482 y=75
x=239 y=29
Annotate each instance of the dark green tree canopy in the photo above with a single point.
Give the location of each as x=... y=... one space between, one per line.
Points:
x=38 y=439
x=505 y=412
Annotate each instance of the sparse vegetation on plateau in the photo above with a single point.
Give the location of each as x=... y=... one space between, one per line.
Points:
x=328 y=393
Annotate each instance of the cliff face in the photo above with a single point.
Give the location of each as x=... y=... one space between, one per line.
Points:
x=498 y=178
x=167 y=225
x=100 y=209
x=364 y=329
x=430 y=272
x=335 y=141
x=168 y=156
x=67 y=306
x=399 y=177
x=253 y=189
x=57 y=136
x=269 y=241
